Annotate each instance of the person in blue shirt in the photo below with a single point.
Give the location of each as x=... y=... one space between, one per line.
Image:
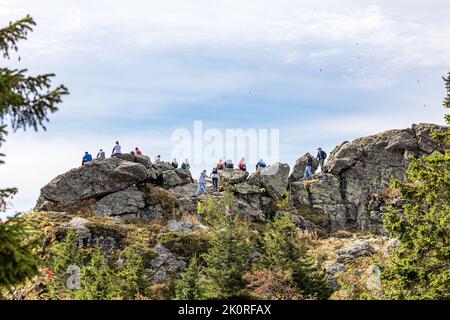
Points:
x=87 y=158
x=202 y=183
x=261 y=164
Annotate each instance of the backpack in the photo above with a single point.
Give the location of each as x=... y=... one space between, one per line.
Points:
x=243 y=166
x=324 y=155
x=215 y=171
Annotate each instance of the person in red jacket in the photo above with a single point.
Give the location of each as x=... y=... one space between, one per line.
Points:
x=137 y=152
x=220 y=165
x=242 y=165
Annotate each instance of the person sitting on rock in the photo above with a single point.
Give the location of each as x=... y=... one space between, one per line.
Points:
x=175 y=163
x=242 y=165
x=321 y=156
x=117 y=149
x=137 y=151
x=220 y=165
x=101 y=154
x=185 y=165
x=87 y=158
x=215 y=178
x=158 y=159
x=261 y=164
x=229 y=164
x=202 y=183
x=308 y=169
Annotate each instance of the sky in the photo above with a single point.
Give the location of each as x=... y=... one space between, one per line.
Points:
x=320 y=72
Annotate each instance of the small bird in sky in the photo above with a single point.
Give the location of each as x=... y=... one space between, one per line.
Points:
x=418 y=81
x=321 y=70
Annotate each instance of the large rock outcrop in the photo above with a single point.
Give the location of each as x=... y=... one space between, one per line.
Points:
x=95 y=179
x=351 y=192
x=357 y=172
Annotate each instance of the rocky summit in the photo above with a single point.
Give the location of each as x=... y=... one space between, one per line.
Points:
x=350 y=193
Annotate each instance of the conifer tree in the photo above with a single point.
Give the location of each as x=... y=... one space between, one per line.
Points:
x=284 y=249
x=98 y=280
x=25 y=102
x=420 y=267
x=189 y=287
x=228 y=259
x=132 y=273
x=18 y=240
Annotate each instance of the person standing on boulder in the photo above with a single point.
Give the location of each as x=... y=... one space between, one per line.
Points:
x=321 y=156
x=101 y=154
x=202 y=183
x=215 y=178
x=87 y=158
x=308 y=169
x=137 y=151
x=116 y=150
x=175 y=163
x=158 y=159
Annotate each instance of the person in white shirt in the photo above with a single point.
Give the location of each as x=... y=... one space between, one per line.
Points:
x=101 y=154
x=117 y=149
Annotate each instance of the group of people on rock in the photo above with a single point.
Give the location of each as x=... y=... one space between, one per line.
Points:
x=215 y=173
x=321 y=156
x=117 y=149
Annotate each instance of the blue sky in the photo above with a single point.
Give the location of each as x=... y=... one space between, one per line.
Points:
x=321 y=73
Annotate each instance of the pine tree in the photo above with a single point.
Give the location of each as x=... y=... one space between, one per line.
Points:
x=189 y=287
x=419 y=268
x=132 y=273
x=284 y=249
x=18 y=240
x=25 y=101
x=63 y=255
x=228 y=260
x=98 y=280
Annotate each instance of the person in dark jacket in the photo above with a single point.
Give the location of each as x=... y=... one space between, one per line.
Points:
x=321 y=156
x=308 y=169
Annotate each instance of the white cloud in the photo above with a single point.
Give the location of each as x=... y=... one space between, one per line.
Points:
x=131 y=59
